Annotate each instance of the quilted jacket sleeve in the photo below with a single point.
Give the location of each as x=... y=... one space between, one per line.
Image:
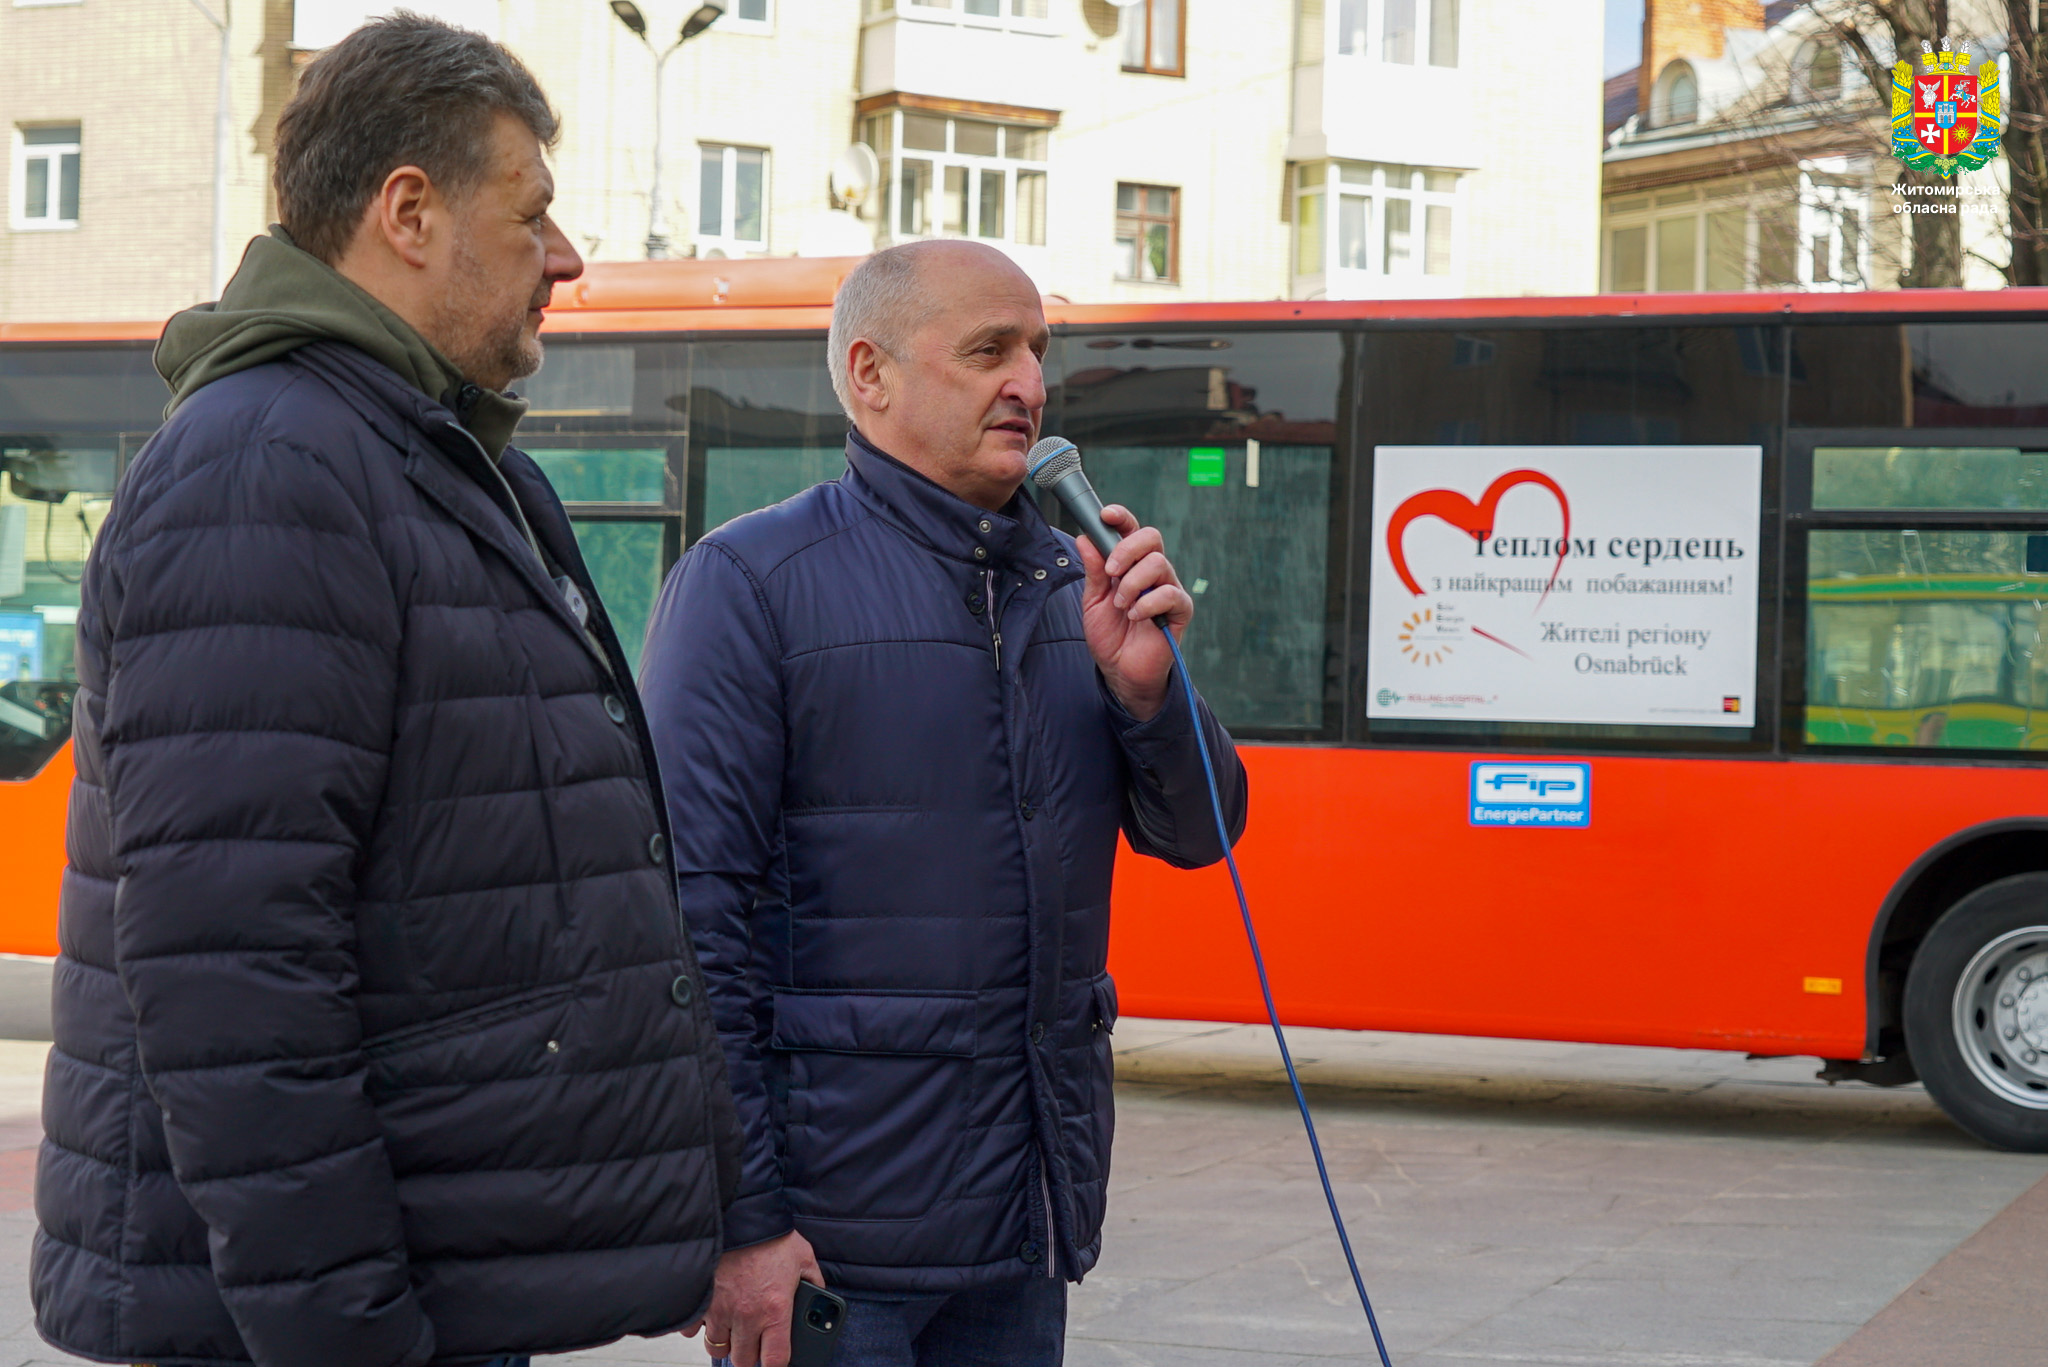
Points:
x=711 y=680
x=253 y=634
x=1166 y=807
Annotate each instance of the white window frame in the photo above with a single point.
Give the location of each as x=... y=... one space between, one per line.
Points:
x=17 y=189
x=1378 y=193
x=1014 y=15
x=975 y=165
x=728 y=201
x=1821 y=215
x=1376 y=33
x=730 y=21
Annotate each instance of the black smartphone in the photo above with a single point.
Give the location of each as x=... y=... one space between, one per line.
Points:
x=814 y=1326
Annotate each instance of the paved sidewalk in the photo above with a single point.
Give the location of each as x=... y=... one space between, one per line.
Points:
x=1511 y=1202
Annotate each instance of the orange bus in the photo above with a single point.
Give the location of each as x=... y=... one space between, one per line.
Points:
x=1842 y=853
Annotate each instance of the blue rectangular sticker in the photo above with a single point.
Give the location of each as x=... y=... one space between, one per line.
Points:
x=1532 y=794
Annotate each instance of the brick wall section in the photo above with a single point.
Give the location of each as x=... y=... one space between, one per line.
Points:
x=139 y=80
x=1689 y=28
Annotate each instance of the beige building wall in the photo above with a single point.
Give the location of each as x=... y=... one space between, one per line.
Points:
x=1523 y=107
x=139 y=80
x=1218 y=134
x=788 y=90
x=1532 y=208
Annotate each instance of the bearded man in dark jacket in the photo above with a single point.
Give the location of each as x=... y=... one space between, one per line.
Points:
x=379 y=1041
x=901 y=721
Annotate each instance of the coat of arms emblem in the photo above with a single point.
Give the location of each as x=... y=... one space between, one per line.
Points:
x=1945 y=118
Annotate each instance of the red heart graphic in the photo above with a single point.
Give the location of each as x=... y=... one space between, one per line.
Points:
x=1474 y=518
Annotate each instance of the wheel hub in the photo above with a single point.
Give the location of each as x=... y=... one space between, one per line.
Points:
x=2001 y=1016
x=2030 y=1013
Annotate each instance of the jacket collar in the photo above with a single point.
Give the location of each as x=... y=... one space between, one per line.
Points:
x=1017 y=536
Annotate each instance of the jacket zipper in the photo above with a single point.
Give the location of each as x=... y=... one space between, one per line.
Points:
x=995 y=634
x=1052 y=1262
x=583 y=632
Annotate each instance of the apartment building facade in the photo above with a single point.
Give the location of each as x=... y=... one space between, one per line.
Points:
x=1156 y=151
x=1755 y=155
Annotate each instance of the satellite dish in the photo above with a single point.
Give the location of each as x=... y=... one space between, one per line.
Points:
x=854 y=175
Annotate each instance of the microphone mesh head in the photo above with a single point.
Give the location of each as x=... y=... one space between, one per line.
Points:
x=1052 y=460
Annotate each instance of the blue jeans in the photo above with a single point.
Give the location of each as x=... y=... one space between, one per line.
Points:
x=1009 y=1324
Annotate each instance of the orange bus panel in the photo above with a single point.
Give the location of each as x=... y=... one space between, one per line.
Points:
x=32 y=816
x=1689 y=913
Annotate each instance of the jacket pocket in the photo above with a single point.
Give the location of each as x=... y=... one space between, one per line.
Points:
x=505 y=1036
x=1104 y=988
x=1093 y=1128
x=878 y=1099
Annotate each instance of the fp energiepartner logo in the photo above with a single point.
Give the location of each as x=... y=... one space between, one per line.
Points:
x=1944 y=119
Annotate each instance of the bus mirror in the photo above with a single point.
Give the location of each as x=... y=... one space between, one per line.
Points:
x=37 y=474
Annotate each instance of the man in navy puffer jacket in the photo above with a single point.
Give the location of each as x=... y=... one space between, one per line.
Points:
x=901 y=721
x=379 y=1039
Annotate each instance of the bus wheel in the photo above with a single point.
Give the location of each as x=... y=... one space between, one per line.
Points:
x=1976 y=1012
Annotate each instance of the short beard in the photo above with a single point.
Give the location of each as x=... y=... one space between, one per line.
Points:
x=480 y=344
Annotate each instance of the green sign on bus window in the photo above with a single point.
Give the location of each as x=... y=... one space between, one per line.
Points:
x=1205 y=465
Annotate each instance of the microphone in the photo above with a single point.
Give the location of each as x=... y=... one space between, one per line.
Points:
x=1054 y=465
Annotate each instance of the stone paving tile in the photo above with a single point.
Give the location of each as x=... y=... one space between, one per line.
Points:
x=1511 y=1202
x=1961 y=1313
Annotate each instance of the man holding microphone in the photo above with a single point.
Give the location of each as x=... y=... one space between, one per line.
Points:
x=900 y=722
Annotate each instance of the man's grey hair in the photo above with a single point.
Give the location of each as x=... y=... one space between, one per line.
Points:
x=399 y=91
x=885 y=301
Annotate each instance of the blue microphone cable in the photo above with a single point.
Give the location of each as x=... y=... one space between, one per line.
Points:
x=1180 y=667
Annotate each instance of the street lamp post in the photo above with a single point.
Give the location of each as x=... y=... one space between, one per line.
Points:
x=223 y=139
x=703 y=17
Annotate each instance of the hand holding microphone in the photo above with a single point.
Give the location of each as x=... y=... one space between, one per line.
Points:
x=1130 y=583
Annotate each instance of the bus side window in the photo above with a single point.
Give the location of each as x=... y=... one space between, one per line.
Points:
x=1924 y=639
x=1227 y=442
x=52 y=499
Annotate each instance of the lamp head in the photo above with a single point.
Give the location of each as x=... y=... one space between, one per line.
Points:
x=708 y=13
x=629 y=15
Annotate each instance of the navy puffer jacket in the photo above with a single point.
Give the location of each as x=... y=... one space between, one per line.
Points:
x=378 y=1038
x=894 y=842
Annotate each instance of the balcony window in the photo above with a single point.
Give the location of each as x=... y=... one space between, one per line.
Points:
x=1388 y=220
x=1399 y=31
x=1153 y=37
x=1812 y=233
x=1031 y=10
x=960 y=177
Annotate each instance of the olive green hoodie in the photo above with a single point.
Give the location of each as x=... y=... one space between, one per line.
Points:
x=283 y=298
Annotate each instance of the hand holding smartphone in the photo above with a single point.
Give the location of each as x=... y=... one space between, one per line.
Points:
x=814 y=1323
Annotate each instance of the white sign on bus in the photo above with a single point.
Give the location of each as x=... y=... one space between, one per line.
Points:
x=1591 y=584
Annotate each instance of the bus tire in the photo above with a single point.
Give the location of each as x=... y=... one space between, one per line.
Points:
x=1976 y=1012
